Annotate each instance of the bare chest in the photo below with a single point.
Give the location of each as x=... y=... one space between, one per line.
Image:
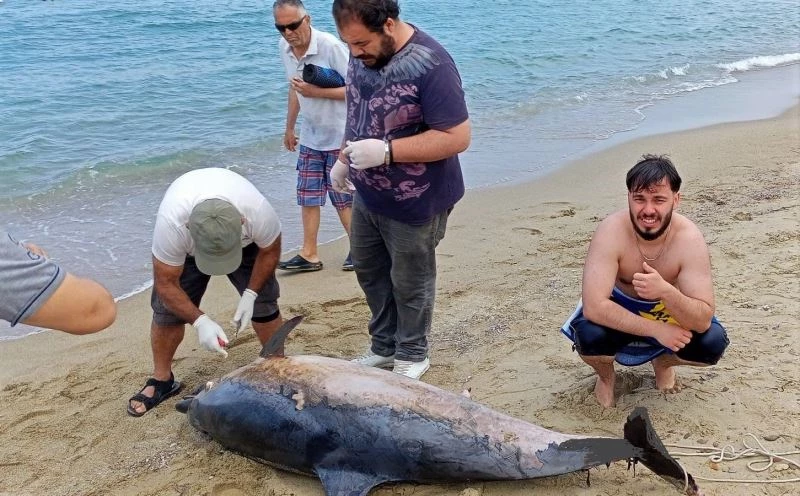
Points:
x=668 y=266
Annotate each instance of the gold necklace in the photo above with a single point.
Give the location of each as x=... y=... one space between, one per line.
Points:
x=660 y=252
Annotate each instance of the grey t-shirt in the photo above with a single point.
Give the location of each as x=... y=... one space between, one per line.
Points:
x=27 y=280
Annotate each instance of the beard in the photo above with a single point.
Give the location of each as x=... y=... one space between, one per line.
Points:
x=383 y=57
x=651 y=235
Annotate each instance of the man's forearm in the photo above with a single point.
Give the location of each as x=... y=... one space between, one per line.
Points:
x=330 y=93
x=609 y=314
x=178 y=302
x=432 y=145
x=690 y=313
x=293 y=110
x=264 y=266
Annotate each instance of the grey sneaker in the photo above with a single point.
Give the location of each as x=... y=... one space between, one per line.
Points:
x=370 y=359
x=413 y=370
x=348 y=263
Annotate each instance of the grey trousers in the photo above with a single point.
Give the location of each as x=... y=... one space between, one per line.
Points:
x=395 y=264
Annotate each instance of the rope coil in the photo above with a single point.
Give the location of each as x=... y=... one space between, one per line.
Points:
x=765 y=459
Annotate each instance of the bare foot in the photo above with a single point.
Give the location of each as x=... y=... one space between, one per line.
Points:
x=667 y=380
x=139 y=407
x=604 y=392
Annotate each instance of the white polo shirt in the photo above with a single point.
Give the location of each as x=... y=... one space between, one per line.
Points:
x=171 y=239
x=323 y=119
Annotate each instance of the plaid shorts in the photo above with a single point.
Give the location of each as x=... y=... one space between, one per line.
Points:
x=314 y=180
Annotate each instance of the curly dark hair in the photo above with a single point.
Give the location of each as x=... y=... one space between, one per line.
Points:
x=650 y=170
x=371 y=13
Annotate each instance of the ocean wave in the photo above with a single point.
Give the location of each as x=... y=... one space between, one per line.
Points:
x=760 y=61
x=140 y=289
x=663 y=74
x=20 y=331
x=675 y=71
x=688 y=87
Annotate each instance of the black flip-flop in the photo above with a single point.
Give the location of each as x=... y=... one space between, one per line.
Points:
x=163 y=390
x=300 y=264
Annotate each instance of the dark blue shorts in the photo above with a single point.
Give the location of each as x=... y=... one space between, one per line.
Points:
x=194 y=283
x=595 y=340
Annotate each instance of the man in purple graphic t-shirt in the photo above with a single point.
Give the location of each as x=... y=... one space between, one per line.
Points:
x=406 y=123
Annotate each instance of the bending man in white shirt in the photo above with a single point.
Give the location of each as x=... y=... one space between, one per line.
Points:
x=210 y=222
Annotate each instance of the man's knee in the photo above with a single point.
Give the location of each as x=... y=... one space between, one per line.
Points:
x=267 y=318
x=592 y=339
x=708 y=347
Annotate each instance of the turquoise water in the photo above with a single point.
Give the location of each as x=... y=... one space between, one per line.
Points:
x=102 y=104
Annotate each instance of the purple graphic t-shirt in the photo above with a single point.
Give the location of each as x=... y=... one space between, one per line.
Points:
x=419 y=89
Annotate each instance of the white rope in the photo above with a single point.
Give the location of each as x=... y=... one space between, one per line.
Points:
x=765 y=460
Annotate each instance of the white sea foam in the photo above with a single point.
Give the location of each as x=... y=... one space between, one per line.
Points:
x=9 y=337
x=680 y=71
x=699 y=85
x=673 y=71
x=761 y=61
x=143 y=287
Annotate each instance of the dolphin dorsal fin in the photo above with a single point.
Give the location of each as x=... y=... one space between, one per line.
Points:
x=277 y=339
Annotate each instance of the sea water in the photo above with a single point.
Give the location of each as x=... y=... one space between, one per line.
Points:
x=103 y=104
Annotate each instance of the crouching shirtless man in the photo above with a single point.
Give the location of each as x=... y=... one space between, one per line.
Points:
x=647 y=290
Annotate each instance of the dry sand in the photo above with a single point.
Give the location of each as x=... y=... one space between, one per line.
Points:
x=509 y=274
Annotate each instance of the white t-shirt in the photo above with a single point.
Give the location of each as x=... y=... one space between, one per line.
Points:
x=171 y=239
x=323 y=119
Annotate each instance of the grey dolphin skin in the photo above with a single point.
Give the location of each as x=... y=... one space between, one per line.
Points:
x=357 y=427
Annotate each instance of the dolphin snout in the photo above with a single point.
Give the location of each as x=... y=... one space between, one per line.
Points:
x=184 y=404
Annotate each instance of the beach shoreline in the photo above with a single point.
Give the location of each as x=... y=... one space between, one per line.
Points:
x=509 y=275
x=757 y=95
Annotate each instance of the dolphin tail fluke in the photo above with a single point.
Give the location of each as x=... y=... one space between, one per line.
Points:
x=639 y=432
x=276 y=341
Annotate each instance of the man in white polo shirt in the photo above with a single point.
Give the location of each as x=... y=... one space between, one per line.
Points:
x=210 y=222
x=323 y=120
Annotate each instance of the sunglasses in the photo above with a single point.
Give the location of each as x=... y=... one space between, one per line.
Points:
x=291 y=26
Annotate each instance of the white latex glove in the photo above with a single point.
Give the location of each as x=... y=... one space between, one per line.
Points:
x=365 y=153
x=210 y=335
x=340 y=180
x=244 y=312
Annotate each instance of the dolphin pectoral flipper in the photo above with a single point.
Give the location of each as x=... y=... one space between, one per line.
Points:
x=339 y=482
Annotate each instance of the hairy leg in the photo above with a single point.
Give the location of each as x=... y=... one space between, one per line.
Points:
x=606 y=377
x=164 y=341
x=345 y=215
x=310 y=216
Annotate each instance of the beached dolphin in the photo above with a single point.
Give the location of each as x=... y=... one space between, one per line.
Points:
x=356 y=427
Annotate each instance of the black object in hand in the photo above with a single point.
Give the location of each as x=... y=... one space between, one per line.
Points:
x=324 y=77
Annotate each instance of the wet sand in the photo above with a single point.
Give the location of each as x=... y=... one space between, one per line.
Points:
x=509 y=275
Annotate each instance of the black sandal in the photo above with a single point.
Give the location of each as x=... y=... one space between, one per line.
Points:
x=300 y=264
x=163 y=390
